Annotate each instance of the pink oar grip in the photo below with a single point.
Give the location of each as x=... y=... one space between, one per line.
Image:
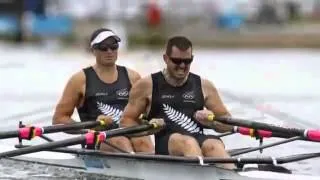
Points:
x=37 y=131
x=313 y=135
x=244 y=131
x=249 y=132
x=101 y=137
x=24 y=132
x=30 y=132
x=89 y=138
x=263 y=133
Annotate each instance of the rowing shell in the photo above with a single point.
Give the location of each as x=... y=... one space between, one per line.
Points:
x=155 y=167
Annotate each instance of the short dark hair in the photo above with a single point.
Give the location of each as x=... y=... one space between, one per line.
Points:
x=180 y=42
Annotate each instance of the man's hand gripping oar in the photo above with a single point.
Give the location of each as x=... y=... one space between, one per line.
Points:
x=159 y=121
x=202 y=117
x=90 y=139
x=29 y=132
x=251 y=128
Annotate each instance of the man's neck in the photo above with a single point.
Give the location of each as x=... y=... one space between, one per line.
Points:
x=173 y=81
x=101 y=69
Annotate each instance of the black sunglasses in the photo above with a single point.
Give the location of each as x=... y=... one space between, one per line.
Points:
x=105 y=47
x=179 y=61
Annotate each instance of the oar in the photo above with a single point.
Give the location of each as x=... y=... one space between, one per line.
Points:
x=263 y=160
x=225 y=134
x=30 y=132
x=258 y=133
x=193 y=160
x=311 y=135
x=89 y=139
x=247 y=150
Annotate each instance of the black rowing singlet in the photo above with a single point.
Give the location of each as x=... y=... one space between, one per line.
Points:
x=104 y=98
x=176 y=105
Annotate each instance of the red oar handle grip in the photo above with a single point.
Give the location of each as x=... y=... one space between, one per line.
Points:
x=30 y=132
x=95 y=138
x=313 y=135
x=253 y=132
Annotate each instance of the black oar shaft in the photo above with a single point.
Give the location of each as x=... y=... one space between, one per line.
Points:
x=263 y=126
x=68 y=127
x=243 y=151
x=83 y=139
x=46 y=138
x=260 y=133
x=128 y=130
x=225 y=134
x=43 y=147
x=53 y=129
x=299 y=157
x=9 y=134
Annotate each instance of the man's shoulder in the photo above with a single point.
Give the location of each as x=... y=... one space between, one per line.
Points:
x=145 y=81
x=204 y=81
x=133 y=75
x=78 y=77
x=130 y=70
x=143 y=87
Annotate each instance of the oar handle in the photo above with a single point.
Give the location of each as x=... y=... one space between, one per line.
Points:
x=74 y=126
x=267 y=130
x=312 y=135
x=29 y=132
x=90 y=139
x=252 y=132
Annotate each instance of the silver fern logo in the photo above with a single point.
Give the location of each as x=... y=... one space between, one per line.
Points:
x=110 y=111
x=181 y=119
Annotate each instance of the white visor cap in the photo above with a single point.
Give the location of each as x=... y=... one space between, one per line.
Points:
x=102 y=36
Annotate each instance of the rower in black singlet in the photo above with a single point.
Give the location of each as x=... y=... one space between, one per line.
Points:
x=104 y=98
x=177 y=105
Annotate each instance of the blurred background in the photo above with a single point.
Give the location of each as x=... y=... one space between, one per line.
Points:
x=148 y=23
x=273 y=75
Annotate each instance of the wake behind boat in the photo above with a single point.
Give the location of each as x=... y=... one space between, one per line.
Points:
x=141 y=166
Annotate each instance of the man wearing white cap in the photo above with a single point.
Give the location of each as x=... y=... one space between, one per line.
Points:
x=100 y=91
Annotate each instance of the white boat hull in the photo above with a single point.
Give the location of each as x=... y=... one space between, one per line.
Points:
x=131 y=166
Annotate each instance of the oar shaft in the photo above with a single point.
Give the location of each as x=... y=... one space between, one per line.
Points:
x=29 y=132
x=68 y=127
x=91 y=138
x=243 y=151
x=259 y=133
x=295 y=158
x=225 y=134
x=43 y=147
x=262 y=126
x=9 y=134
x=128 y=130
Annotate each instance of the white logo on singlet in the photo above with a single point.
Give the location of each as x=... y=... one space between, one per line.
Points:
x=122 y=92
x=181 y=119
x=110 y=111
x=167 y=96
x=102 y=94
x=188 y=95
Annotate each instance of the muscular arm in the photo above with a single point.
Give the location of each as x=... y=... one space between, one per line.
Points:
x=214 y=103
x=137 y=104
x=71 y=98
x=134 y=76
